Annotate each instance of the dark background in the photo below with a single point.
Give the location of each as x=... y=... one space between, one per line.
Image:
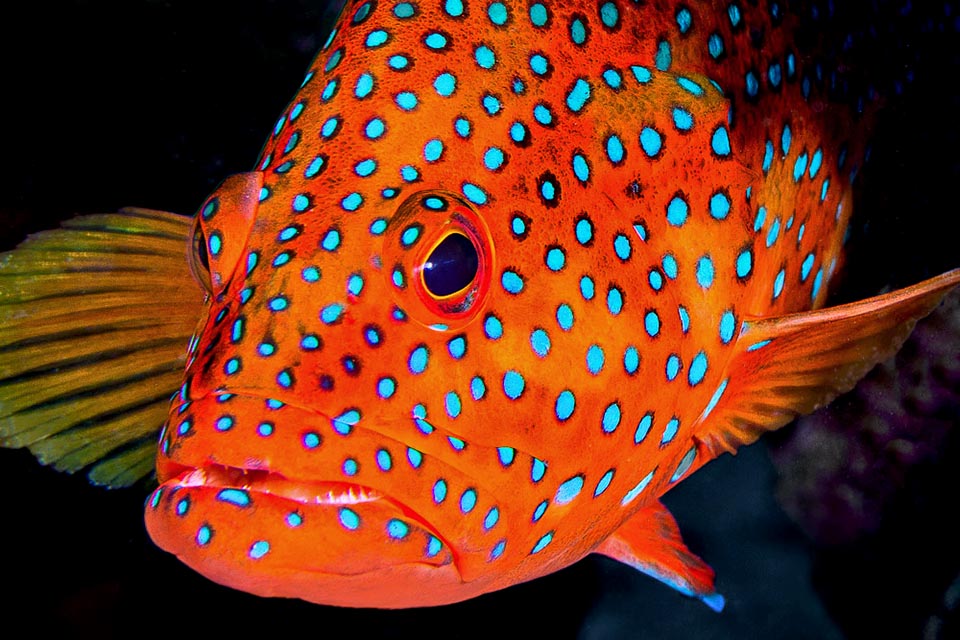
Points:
x=147 y=103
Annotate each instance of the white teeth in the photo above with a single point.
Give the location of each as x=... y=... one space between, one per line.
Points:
x=196 y=478
x=353 y=495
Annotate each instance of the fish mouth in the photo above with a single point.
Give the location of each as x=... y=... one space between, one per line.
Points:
x=264 y=482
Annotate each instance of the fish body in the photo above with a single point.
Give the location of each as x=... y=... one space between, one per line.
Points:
x=504 y=274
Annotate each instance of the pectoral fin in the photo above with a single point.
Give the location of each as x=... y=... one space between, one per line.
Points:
x=650 y=542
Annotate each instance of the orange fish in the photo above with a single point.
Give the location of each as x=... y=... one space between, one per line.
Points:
x=504 y=274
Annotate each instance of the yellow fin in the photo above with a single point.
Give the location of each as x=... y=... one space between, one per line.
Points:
x=94 y=323
x=791 y=365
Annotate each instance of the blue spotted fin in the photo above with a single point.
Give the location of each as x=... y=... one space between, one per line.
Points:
x=791 y=365
x=94 y=321
x=650 y=542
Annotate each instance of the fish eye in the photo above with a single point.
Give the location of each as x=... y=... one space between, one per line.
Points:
x=451 y=266
x=439 y=257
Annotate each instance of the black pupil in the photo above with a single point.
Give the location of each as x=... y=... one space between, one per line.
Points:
x=451 y=267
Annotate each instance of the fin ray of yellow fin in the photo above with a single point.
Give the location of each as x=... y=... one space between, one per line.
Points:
x=791 y=365
x=94 y=323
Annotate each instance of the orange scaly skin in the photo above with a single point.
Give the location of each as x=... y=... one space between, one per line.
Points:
x=347 y=437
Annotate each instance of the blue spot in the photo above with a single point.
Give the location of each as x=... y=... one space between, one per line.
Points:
x=774 y=74
x=715 y=45
x=785 y=139
x=204 y=533
x=604 y=483
x=433 y=150
x=752 y=84
x=716 y=398
x=744 y=263
x=474 y=193
x=397 y=529
x=614 y=301
x=615 y=150
x=491 y=104
x=539 y=511
x=682 y=119
x=633 y=493
x=453 y=8
x=518 y=132
x=491 y=519
x=311 y=440
x=650 y=141
x=565 y=317
x=377 y=38
x=310 y=342
x=513 y=384
x=497 y=550
x=587 y=288
x=580 y=167
x=328 y=92
x=569 y=490
x=720 y=143
x=579 y=95
x=684 y=318
x=719 y=205
x=540 y=342
x=265 y=429
x=352 y=202
x=566 y=403
x=406 y=100
x=609 y=15
x=643 y=428
x=538 y=15
x=823 y=190
x=279 y=303
x=611 y=418
x=670 y=430
x=468 y=500
x=621 y=246
x=817 y=281
x=677 y=211
x=349 y=519
x=506 y=455
x=259 y=549
x=631 y=360
x=642 y=74
x=445 y=84
x=806 y=267
x=663 y=58
x=384 y=461
x=651 y=322
x=673 y=366
x=414 y=457
x=331 y=313
x=452 y=404
x=386 y=387
x=767 y=156
x=670 y=266
x=542 y=114
x=728 y=324
x=224 y=423
x=815 y=162
x=512 y=282
x=485 y=57
x=760 y=218
x=584 y=231
x=462 y=127
x=539 y=64
x=497 y=13
x=419 y=358
x=595 y=359
x=698 y=369
x=613 y=79
x=778 y=283
x=537 y=469
x=492 y=327
x=301 y=203
x=758 y=345
x=493 y=158
x=329 y=127
x=684 y=21
x=457 y=347
x=799 y=166
x=655 y=279
x=705 y=272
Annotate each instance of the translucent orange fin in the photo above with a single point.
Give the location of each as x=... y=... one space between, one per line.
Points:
x=94 y=322
x=791 y=365
x=650 y=542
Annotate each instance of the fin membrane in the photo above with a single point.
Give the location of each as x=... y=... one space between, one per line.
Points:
x=650 y=542
x=791 y=365
x=94 y=322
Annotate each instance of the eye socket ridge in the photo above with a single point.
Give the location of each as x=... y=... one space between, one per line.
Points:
x=198 y=257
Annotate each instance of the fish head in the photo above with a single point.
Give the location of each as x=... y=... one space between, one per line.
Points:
x=421 y=374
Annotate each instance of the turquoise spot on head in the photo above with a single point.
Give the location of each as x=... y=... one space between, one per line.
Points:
x=611 y=418
x=349 y=519
x=677 y=211
x=643 y=428
x=682 y=119
x=484 y=57
x=650 y=141
x=569 y=490
x=604 y=483
x=539 y=15
x=715 y=45
x=615 y=150
x=513 y=384
x=579 y=95
x=497 y=13
x=664 y=57
x=744 y=263
x=720 y=142
x=259 y=549
x=397 y=529
x=565 y=405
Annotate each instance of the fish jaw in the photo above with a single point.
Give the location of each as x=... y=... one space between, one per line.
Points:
x=306 y=532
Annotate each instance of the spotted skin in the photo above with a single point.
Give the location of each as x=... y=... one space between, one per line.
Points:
x=637 y=183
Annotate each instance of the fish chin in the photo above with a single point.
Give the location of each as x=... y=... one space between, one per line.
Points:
x=327 y=542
